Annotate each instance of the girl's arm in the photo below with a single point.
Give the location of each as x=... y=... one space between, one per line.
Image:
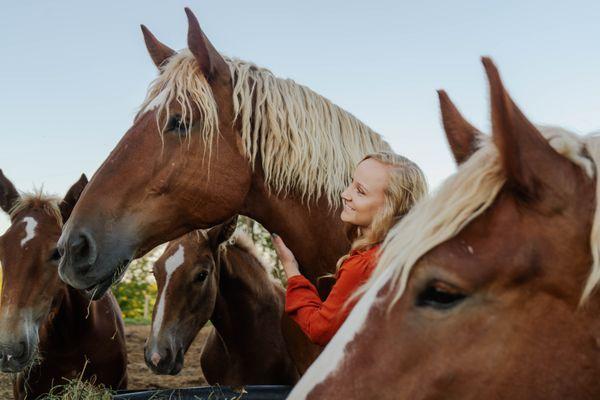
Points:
x=319 y=319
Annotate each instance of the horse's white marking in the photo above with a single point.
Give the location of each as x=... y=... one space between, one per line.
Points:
x=173 y=262
x=30 y=226
x=470 y=249
x=330 y=359
x=155 y=358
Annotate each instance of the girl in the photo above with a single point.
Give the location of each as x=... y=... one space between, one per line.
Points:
x=384 y=188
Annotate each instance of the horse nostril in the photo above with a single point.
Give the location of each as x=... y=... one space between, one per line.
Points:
x=21 y=350
x=82 y=250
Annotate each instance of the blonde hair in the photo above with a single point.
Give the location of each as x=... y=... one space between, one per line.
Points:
x=305 y=144
x=466 y=195
x=406 y=186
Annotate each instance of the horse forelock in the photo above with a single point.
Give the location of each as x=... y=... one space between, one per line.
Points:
x=281 y=122
x=467 y=194
x=37 y=200
x=180 y=81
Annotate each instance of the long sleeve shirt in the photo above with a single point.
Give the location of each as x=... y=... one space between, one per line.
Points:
x=318 y=319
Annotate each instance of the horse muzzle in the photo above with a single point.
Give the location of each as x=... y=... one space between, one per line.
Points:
x=15 y=357
x=86 y=266
x=164 y=361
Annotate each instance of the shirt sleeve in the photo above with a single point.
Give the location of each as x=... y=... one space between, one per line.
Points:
x=320 y=320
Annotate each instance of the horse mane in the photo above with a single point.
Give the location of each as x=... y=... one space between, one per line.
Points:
x=463 y=197
x=39 y=201
x=306 y=145
x=244 y=242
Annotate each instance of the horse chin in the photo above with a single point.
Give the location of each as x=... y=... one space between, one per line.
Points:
x=178 y=365
x=98 y=290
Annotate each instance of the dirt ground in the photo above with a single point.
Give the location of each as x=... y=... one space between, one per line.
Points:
x=140 y=377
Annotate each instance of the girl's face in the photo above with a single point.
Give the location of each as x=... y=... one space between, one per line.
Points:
x=366 y=194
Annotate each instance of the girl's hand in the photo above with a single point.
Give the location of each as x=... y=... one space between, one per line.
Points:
x=290 y=265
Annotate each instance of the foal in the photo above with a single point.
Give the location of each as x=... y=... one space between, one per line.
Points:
x=48 y=330
x=201 y=278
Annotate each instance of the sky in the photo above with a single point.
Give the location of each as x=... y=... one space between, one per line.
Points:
x=73 y=73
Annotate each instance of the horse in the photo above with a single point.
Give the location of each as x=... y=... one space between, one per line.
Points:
x=486 y=289
x=216 y=137
x=212 y=275
x=49 y=331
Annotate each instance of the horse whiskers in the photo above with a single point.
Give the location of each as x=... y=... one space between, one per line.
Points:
x=35 y=360
x=90 y=303
x=119 y=273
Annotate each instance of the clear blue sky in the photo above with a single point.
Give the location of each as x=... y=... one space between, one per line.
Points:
x=73 y=73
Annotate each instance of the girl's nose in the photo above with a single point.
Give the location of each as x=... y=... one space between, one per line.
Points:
x=345 y=195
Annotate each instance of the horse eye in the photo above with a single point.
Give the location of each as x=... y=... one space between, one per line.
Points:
x=200 y=277
x=177 y=124
x=439 y=296
x=55 y=255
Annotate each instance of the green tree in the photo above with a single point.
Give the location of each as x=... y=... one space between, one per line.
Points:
x=136 y=294
x=262 y=240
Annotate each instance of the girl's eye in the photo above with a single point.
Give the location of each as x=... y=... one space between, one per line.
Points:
x=177 y=124
x=439 y=296
x=200 y=277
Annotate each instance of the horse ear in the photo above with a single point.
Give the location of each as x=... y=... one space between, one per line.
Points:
x=158 y=51
x=8 y=193
x=221 y=233
x=529 y=161
x=462 y=136
x=70 y=199
x=211 y=63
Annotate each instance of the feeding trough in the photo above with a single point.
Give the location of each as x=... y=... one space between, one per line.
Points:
x=258 y=392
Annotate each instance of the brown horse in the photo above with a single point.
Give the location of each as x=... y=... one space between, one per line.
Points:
x=485 y=290
x=217 y=137
x=49 y=332
x=204 y=276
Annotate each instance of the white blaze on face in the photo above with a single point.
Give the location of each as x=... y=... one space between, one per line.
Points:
x=30 y=225
x=329 y=360
x=173 y=262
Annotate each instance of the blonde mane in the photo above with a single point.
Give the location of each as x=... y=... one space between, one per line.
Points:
x=305 y=144
x=466 y=195
x=37 y=200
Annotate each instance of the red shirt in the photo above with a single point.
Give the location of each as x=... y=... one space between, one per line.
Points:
x=320 y=320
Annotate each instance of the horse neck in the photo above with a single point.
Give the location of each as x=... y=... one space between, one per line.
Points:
x=248 y=303
x=315 y=233
x=68 y=319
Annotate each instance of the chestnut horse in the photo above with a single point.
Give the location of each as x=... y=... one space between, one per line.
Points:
x=485 y=290
x=217 y=137
x=206 y=275
x=49 y=332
